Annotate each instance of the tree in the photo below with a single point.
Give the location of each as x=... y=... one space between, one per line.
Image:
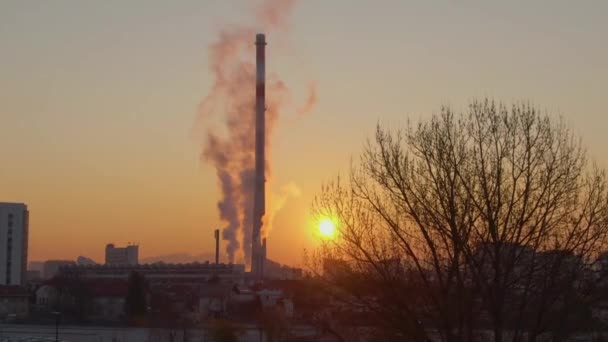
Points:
x=223 y=331
x=135 y=302
x=274 y=323
x=74 y=298
x=466 y=225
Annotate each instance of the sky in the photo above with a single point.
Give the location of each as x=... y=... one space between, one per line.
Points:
x=98 y=101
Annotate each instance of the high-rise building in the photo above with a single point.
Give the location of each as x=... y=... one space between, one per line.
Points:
x=14 y=220
x=122 y=255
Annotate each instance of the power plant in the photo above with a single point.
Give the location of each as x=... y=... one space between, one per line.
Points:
x=258 y=248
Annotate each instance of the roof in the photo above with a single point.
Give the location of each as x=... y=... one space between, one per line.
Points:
x=214 y=291
x=13 y=204
x=155 y=266
x=13 y=291
x=108 y=288
x=95 y=288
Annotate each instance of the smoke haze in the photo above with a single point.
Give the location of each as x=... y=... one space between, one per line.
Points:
x=311 y=101
x=231 y=150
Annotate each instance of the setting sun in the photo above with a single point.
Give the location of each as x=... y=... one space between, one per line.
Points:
x=327 y=228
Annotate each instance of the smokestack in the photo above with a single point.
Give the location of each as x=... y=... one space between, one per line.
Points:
x=257 y=256
x=217 y=246
x=263 y=264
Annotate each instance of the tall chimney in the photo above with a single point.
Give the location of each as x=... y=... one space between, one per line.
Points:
x=217 y=246
x=257 y=256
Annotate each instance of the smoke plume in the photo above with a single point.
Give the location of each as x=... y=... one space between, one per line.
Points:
x=232 y=96
x=311 y=100
x=275 y=202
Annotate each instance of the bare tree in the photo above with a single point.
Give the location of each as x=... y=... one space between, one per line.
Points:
x=466 y=226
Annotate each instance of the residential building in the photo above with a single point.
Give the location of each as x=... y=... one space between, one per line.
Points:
x=276 y=299
x=35 y=265
x=122 y=255
x=213 y=300
x=51 y=267
x=104 y=300
x=33 y=275
x=47 y=297
x=108 y=299
x=14 y=219
x=14 y=301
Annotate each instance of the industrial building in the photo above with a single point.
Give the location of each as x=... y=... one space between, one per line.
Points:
x=160 y=273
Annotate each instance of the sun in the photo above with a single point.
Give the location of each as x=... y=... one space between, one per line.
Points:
x=327 y=228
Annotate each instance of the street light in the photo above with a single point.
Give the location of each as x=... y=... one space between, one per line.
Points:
x=57 y=315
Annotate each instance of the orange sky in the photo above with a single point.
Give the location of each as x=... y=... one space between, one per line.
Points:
x=98 y=102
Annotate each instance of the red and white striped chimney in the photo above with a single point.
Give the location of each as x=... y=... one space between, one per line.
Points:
x=258 y=257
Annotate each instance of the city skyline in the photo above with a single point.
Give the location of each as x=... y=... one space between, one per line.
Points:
x=98 y=122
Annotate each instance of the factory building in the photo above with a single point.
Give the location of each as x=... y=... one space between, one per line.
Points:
x=160 y=273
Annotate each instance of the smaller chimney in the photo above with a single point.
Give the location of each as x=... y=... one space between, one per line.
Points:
x=263 y=261
x=217 y=246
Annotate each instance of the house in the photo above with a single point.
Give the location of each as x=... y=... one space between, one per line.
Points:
x=108 y=299
x=213 y=301
x=14 y=301
x=102 y=300
x=276 y=298
x=269 y=297
x=47 y=297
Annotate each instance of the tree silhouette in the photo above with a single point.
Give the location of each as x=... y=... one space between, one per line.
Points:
x=470 y=226
x=223 y=331
x=135 y=302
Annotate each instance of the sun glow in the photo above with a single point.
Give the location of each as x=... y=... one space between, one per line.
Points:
x=327 y=228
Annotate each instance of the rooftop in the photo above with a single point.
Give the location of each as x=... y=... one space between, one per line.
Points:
x=12 y=204
x=13 y=291
x=156 y=266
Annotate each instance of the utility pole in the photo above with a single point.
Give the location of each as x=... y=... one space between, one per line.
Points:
x=57 y=317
